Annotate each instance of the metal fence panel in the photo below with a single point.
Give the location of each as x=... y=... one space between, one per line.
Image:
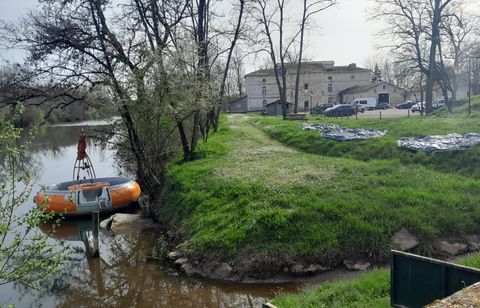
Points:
x=417 y=281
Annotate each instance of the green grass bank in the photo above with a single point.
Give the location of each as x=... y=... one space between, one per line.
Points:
x=465 y=163
x=372 y=289
x=265 y=195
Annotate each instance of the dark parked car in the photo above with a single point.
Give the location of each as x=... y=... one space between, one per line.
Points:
x=383 y=106
x=321 y=108
x=344 y=110
x=405 y=105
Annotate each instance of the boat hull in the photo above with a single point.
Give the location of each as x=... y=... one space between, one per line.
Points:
x=86 y=196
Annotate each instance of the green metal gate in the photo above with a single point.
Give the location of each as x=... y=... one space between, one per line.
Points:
x=417 y=281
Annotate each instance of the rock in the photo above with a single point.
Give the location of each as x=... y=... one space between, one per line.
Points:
x=451 y=248
x=473 y=242
x=315 y=268
x=223 y=271
x=106 y=223
x=174 y=255
x=404 y=240
x=124 y=223
x=181 y=261
x=309 y=269
x=297 y=269
x=356 y=265
x=188 y=269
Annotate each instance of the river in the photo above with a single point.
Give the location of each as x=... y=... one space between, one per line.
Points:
x=124 y=275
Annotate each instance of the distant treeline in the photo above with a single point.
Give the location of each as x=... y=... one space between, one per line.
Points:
x=54 y=112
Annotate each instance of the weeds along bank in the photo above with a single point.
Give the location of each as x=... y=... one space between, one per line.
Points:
x=264 y=207
x=370 y=290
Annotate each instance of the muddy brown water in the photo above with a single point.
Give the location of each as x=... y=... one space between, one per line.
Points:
x=123 y=276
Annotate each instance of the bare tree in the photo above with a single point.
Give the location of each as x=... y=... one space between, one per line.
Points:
x=236 y=34
x=414 y=27
x=270 y=15
x=457 y=34
x=85 y=43
x=238 y=73
x=310 y=8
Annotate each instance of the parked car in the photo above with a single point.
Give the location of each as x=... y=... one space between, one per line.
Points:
x=438 y=104
x=383 y=106
x=359 y=108
x=343 y=110
x=368 y=103
x=420 y=106
x=321 y=108
x=405 y=105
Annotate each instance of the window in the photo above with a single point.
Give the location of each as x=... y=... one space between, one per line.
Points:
x=330 y=100
x=330 y=88
x=305 y=86
x=306 y=105
x=352 y=77
x=384 y=87
x=264 y=81
x=264 y=102
x=330 y=78
x=264 y=91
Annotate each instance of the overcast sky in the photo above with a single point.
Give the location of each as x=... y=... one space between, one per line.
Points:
x=342 y=33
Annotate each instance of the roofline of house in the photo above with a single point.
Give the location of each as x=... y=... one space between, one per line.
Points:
x=236 y=100
x=360 y=89
x=322 y=68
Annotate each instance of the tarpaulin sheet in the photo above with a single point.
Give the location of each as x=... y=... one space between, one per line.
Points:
x=339 y=133
x=437 y=143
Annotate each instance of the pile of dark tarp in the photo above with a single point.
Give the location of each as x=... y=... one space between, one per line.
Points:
x=438 y=143
x=338 y=133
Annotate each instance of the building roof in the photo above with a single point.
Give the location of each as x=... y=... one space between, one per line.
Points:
x=311 y=67
x=361 y=89
x=278 y=102
x=237 y=100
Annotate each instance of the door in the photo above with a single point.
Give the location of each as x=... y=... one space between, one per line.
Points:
x=384 y=98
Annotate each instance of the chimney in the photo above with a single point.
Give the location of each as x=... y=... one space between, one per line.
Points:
x=352 y=66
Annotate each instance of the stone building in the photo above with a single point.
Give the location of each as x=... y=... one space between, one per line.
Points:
x=320 y=82
x=383 y=92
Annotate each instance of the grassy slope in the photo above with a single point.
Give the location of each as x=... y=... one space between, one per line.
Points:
x=462 y=162
x=369 y=290
x=251 y=194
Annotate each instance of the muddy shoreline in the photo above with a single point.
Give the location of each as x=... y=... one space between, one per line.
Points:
x=276 y=268
x=256 y=269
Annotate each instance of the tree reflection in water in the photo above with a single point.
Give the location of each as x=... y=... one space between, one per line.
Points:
x=123 y=277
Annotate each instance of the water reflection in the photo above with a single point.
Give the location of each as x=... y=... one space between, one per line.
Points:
x=123 y=277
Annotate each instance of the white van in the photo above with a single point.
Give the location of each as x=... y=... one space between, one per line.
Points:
x=368 y=103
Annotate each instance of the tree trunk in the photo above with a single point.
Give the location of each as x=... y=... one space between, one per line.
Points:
x=216 y=110
x=195 y=132
x=431 y=76
x=184 y=140
x=300 y=56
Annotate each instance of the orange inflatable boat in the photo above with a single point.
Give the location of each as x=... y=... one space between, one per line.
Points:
x=86 y=196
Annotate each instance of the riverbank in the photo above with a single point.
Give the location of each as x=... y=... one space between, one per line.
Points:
x=372 y=289
x=252 y=207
